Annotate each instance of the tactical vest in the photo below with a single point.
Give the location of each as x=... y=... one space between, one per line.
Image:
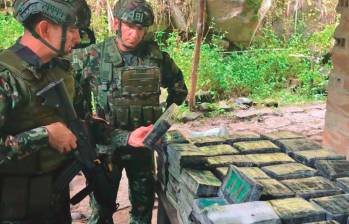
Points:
x=25 y=178
x=129 y=95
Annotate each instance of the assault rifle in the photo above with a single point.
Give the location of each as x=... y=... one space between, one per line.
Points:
x=85 y=157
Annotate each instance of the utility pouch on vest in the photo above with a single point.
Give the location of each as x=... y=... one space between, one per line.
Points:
x=138 y=89
x=25 y=166
x=148 y=115
x=136 y=116
x=157 y=113
x=31 y=199
x=14 y=206
x=122 y=117
x=140 y=81
x=40 y=198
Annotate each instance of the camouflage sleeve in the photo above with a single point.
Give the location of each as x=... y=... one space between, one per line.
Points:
x=104 y=134
x=119 y=138
x=85 y=63
x=22 y=144
x=173 y=80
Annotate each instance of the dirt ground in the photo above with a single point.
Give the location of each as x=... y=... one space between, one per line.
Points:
x=306 y=119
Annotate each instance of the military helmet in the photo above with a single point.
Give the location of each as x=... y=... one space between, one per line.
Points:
x=134 y=12
x=63 y=12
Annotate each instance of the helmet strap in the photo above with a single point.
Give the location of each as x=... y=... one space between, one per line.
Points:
x=60 y=52
x=63 y=40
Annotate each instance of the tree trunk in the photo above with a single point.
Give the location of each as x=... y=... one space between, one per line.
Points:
x=196 y=57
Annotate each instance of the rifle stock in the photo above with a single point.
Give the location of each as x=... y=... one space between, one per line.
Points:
x=55 y=95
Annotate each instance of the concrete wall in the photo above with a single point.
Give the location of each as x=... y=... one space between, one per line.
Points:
x=336 y=133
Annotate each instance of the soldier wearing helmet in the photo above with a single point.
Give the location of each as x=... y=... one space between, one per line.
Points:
x=35 y=141
x=127 y=73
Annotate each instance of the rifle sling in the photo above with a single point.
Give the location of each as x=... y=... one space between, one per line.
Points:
x=81 y=195
x=66 y=176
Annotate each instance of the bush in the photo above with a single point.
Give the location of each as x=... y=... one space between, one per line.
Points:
x=271 y=68
x=10 y=30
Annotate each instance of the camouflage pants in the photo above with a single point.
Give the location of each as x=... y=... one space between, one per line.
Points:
x=139 y=164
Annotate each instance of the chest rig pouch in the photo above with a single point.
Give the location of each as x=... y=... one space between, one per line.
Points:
x=134 y=96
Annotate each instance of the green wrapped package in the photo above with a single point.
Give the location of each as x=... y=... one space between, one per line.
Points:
x=312 y=187
x=173 y=137
x=309 y=157
x=259 y=160
x=186 y=195
x=171 y=195
x=161 y=126
x=336 y=207
x=278 y=135
x=239 y=188
x=243 y=137
x=201 y=183
x=208 y=140
x=261 y=146
x=254 y=172
x=333 y=169
x=266 y=159
x=185 y=202
x=173 y=185
x=223 y=161
x=289 y=171
x=220 y=172
x=273 y=189
x=291 y=146
x=343 y=183
x=162 y=167
x=184 y=155
x=297 y=210
x=218 y=150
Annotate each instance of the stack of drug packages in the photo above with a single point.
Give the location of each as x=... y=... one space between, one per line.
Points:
x=279 y=177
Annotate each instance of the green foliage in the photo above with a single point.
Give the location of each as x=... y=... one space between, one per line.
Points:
x=99 y=24
x=286 y=70
x=10 y=30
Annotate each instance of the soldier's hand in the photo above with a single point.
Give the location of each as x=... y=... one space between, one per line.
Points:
x=60 y=137
x=137 y=136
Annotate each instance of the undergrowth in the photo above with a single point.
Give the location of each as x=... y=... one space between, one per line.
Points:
x=289 y=71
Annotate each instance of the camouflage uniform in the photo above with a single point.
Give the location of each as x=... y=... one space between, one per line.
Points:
x=28 y=165
x=109 y=71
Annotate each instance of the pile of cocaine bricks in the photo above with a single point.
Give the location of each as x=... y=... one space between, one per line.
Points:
x=279 y=177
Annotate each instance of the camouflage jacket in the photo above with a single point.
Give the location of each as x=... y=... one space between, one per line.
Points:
x=86 y=63
x=20 y=145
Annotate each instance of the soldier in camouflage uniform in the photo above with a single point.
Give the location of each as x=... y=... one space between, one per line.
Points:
x=126 y=73
x=34 y=139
